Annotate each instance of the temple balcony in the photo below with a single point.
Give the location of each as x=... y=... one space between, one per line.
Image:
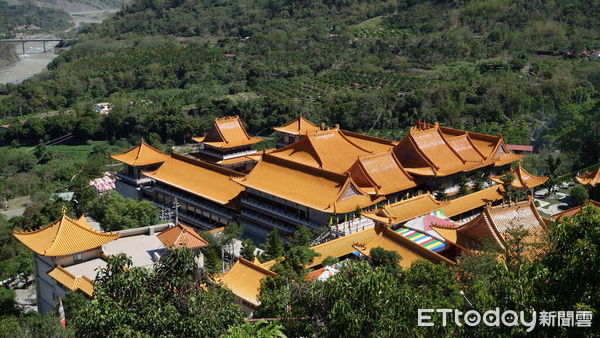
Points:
x=196 y=202
x=168 y=214
x=285 y=228
x=351 y=226
x=201 y=221
x=259 y=206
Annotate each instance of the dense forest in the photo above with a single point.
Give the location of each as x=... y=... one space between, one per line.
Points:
x=514 y=67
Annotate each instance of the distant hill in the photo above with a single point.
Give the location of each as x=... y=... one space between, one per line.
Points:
x=71 y=6
x=518 y=67
x=27 y=14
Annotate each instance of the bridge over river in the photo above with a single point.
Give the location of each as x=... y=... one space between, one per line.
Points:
x=31 y=40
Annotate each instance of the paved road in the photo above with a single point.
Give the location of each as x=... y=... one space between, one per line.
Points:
x=12 y=213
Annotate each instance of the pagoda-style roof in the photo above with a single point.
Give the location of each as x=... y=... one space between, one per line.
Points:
x=372 y=143
x=472 y=201
x=377 y=236
x=328 y=149
x=383 y=172
x=405 y=210
x=299 y=126
x=71 y=282
x=227 y=132
x=576 y=210
x=141 y=155
x=590 y=178
x=494 y=223
x=181 y=236
x=200 y=178
x=312 y=187
x=244 y=278
x=522 y=179
x=431 y=150
x=65 y=236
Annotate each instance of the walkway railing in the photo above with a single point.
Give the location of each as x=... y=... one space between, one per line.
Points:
x=268 y=221
x=352 y=226
x=277 y=211
x=192 y=201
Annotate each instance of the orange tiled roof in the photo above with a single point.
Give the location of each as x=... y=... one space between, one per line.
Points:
x=377 y=236
x=522 y=179
x=590 y=178
x=299 y=126
x=243 y=279
x=494 y=222
x=406 y=209
x=181 y=236
x=431 y=150
x=374 y=144
x=472 y=201
x=227 y=132
x=141 y=155
x=575 y=210
x=64 y=277
x=200 y=178
x=428 y=148
x=64 y=237
x=382 y=171
x=308 y=186
x=329 y=149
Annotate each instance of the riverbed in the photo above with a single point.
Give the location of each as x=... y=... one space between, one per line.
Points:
x=34 y=61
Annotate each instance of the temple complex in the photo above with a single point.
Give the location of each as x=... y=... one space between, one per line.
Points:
x=321 y=176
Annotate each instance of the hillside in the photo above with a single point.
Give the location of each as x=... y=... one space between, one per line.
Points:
x=71 y=6
x=496 y=66
x=27 y=15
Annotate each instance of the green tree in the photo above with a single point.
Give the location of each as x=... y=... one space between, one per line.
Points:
x=15 y=258
x=115 y=212
x=7 y=302
x=440 y=194
x=248 y=249
x=259 y=329
x=302 y=237
x=273 y=246
x=385 y=258
x=552 y=166
x=42 y=153
x=363 y=300
x=463 y=186
x=573 y=260
x=579 y=194
x=166 y=300
x=295 y=261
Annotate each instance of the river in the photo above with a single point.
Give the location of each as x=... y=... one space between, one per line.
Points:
x=34 y=61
